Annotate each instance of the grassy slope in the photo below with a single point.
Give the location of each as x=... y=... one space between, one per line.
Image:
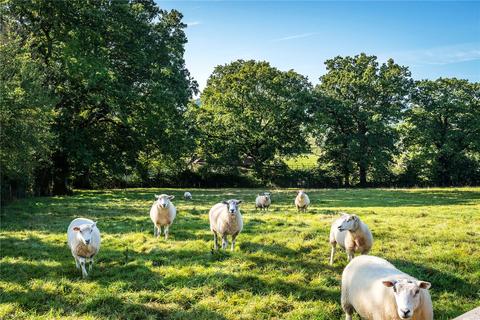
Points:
x=279 y=270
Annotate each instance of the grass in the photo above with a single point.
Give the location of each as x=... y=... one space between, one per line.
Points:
x=308 y=161
x=279 y=269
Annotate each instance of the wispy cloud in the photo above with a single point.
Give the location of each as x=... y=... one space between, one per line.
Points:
x=295 y=36
x=441 y=55
x=193 y=23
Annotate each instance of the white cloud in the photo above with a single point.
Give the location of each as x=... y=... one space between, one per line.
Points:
x=440 y=55
x=296 y=36
x=193 y=23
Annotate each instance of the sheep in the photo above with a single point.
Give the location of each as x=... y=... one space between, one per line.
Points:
x=162 y=213
x=83 y=238
x=187 y=195
x=376 y=290
x=263 y=201
x=302 y=201
x=351 y=234
x=226 y=219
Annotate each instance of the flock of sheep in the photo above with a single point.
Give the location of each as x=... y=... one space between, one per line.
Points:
x=371 y=286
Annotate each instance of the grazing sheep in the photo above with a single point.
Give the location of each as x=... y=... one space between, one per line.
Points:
x=351 y=234
x=263 y=201
x=83 y=238
x=187 y=195
x=302 y=201
x=226 y=219
x=162 y=213
x=376 y=290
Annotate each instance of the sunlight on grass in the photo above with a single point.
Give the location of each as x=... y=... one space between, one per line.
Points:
x=279 y=269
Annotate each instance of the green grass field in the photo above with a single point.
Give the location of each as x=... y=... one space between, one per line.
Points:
x=279 y=269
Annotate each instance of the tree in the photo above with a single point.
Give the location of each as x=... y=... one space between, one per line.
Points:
x=26 y=113
x=442 y=130
x=359 y=104
x=117 y=71
x=251 y=113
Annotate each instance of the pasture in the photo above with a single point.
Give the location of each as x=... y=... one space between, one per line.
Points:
x=279 y=269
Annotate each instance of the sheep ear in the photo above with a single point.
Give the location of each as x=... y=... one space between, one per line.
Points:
x=225 y=202
x=76 y=229
x=94 y=224
x=424 y=284
x=389 y=283
x=171 y=197
x=157 y=196
x=239 y=201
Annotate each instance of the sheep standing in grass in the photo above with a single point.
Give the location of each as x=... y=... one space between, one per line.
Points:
x=263 y=201
x=302 y=201
x=83 y=238
x=376 y=290
x=187 y=195
x=226 y=219
x=351 y=234
x=162 y=213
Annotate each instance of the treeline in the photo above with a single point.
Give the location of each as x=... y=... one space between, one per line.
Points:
x=96 y=94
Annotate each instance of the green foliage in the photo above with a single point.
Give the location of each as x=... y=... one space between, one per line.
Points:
x=251 y=113
x=359 y=101
x=279 y=269
x=117 y=71
x=442 y=131
x=26 y=115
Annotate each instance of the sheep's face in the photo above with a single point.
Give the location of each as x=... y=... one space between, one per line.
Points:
x=233 y=206
x=349 y=222
x=187 y=195
x=163 y=200
x=407 y=295
x=84 y=232
x=301 y=194
x=266 y=195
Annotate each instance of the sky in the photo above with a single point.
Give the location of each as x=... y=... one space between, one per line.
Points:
x=434 y=39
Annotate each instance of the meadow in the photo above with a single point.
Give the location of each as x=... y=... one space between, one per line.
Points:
x=279 y=269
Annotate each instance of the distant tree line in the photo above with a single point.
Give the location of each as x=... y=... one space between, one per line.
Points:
x=96 y=94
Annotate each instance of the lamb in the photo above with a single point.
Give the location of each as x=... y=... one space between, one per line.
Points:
x=226 y=219
x=263 y=201
x=162 y=213
x=302 y=201
x=187 y=195
x=83 y=238
x=351 y=234
x=376 y=290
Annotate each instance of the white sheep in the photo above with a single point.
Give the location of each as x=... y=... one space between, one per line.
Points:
x=351 y=234
x=263 y=201
x=162 y=213
x=83 y=238
x=187 y=195
x=226 y=219
x=302 y=201
x=376 y=290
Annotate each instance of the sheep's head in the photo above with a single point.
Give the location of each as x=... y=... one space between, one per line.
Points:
x=301 y=193
x=349 y=222
x=266 y=195
x=84 y=232
x=233 y=205
x=187 y=195
x=163 y=200
x=407 y=295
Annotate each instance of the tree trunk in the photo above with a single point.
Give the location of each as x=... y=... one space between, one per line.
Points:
x=346 y=178
x=363 y=174
x=61 y=170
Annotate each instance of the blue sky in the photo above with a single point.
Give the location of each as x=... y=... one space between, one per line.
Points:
x=435 y=39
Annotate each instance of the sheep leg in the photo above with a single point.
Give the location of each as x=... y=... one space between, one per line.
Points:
x=77 y=263
x=224 y=242
x=332 y=253
x=82 y=264
x=159 y=231
x=234 y=236
x=165 y=231
x=215 y=240
x=90 y=265
x=350 y=255
x=347 y=307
